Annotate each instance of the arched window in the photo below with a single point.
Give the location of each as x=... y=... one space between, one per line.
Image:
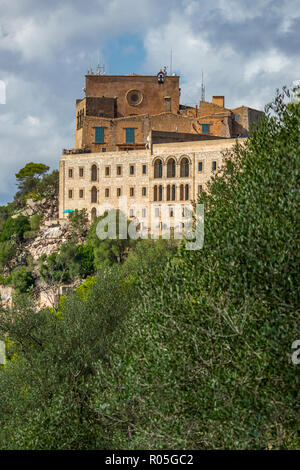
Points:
x=158 y=169
x=171 y=168
x=181 y=192
x=94 y=195
x=173 y=192
x=160 y=193
x=186 y=192
x=184 y=168
x=168 y=192
x=94 y=213
x=155 y=193
x=94 y=173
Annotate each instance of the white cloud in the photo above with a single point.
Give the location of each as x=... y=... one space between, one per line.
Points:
x=269 y=63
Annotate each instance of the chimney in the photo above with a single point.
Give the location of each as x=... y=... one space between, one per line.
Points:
x=219 y=101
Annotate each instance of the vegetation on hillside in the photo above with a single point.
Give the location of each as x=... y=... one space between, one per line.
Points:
x=170 y=348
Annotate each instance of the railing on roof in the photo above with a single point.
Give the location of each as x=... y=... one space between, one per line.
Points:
x=75 y=151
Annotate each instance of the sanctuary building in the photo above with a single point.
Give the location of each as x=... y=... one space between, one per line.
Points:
x=133 y=138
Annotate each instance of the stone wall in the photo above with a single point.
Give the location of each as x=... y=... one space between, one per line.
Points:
x=122 y=174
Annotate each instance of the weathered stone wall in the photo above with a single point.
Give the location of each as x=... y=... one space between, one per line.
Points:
x=153 y=94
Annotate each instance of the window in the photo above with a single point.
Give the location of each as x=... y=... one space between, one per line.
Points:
x=181 y=192
x=144 y=169
x=81 y=172
x=205 y=128
x=94 y=173
x=214 y=165
x=155 y=193
x=167 y=100
x=107 y=171
x=144 y=213
x=94 y=194
x=144 y=191
x=131 y=170
x=129 y=131
x=200 y=167
x=171 y=168
x=119 y=170
x=184 y=168
x=99 y=135
x=81 y=193
x=131 y=213
x=187 y=192
x=70 y=173
x=119 y=192
x=171 y=212
x=93 y=213
x=106 y=192
x=237 y=117
x=131 y=192
x=173 y=192
x=70 y=193
x=200 y=189
x=157 y=212
x=103 y=149
x=168 y=192
x=158 y=169
x=160 y=193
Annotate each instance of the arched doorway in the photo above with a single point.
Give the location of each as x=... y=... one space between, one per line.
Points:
x=93 y=213
x=184 y=168
x=171 y=168
x=94 y=173
x=158 y=169
x=94 y=195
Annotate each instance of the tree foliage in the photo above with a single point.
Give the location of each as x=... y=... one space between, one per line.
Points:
x=174 y=349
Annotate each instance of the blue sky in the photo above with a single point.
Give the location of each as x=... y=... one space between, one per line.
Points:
x=246 y=48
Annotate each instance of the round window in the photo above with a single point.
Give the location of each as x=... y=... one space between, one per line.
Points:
x=134 y=97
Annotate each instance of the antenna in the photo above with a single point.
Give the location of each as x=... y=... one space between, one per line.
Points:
x=90 y=72
x=171 y=62
x=202 y=89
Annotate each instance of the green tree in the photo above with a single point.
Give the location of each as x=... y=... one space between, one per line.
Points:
x=7 y=252
x=207 y=362
x=79 y=222
x=110 y=250
x=28 y=177
x=45 y=393
x=22 y=279
x=14 y=228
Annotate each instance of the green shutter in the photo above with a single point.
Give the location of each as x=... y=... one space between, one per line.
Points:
x=129 y=135
x=205 y=128
x=99 y=135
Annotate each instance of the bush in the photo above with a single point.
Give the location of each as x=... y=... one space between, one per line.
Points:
x=35 y=221
x=14 y=228
x=45 y=392
x=7 y=252
x=21 y=279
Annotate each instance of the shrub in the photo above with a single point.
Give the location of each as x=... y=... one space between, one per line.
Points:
x=14 y=228
x=7 y=252
x=21 y=279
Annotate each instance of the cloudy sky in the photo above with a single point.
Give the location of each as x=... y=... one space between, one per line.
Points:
x=246 y=49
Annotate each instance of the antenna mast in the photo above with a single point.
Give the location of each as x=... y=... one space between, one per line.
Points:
x=202 y=89
x=171 y=62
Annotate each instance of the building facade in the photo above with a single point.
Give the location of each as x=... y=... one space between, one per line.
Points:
x=135 y=141
x=141 y=183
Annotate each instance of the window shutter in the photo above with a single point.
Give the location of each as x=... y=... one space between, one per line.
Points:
x=99 y=135
x=129 y=135
x=205 y=128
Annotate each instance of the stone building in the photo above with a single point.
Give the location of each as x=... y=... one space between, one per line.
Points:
x=133 y=139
